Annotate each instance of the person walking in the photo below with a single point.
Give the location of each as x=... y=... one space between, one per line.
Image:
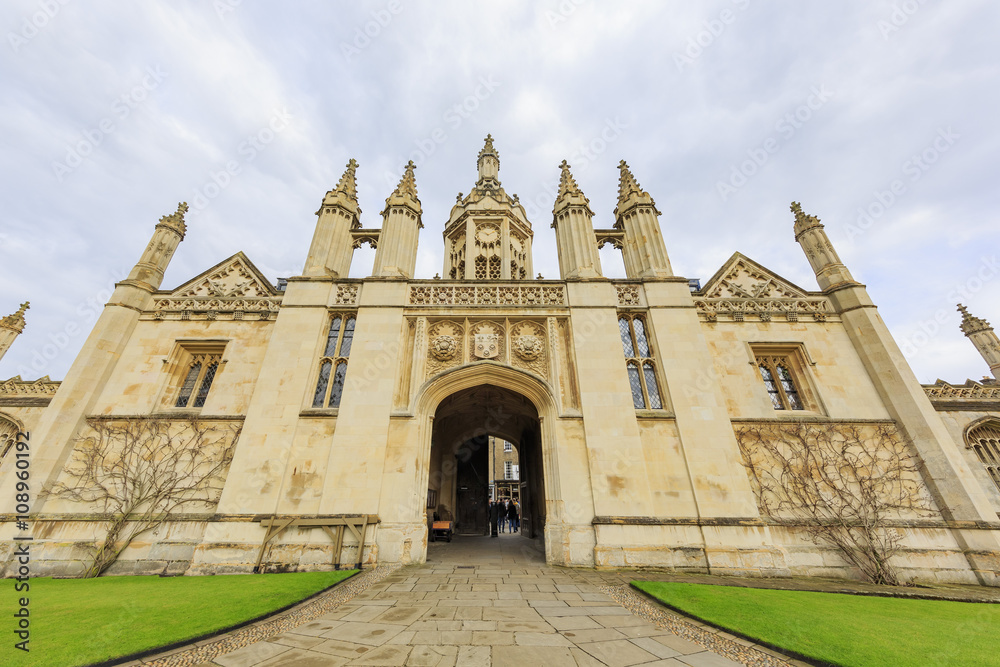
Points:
x=513 y=517
x=494 y=516
x=503 y=515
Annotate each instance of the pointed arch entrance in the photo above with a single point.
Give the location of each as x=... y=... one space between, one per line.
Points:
x=464 y=407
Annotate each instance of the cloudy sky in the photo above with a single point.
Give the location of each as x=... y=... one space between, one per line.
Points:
x=880 y=117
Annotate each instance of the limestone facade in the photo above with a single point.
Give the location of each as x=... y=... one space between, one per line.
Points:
x=378 y=396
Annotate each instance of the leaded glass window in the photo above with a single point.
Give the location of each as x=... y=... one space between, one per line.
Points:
x=639 y=363
x=779 y=382
x=198 y=379
x=339 y=339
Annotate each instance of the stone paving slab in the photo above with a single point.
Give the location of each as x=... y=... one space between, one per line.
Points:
x=506 y=610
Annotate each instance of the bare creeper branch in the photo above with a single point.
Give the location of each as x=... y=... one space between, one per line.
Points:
x=845 y=484
x=139 y=472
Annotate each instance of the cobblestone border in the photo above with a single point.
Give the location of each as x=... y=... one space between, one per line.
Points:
x=734 y=648
x=204 y=652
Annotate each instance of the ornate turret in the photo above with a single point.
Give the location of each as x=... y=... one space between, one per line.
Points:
x=982 y=336
x=488 y=236
x=644 y=252
x=332 y=246
x=572 y=219
x=169 y=232
x=396 y=255
x=489 y=165
x=825 y=262
x=10 y=327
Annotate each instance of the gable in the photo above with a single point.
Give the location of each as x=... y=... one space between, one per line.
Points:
x=742 y=278
x=233 y=277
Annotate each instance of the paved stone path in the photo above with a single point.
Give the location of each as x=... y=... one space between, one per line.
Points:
x=483 y=601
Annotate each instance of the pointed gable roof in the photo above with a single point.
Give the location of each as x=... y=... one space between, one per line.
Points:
x=233 y=277
x=742 y=278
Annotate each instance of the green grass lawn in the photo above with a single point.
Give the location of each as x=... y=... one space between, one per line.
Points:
x=845 y=629
x=82 y=621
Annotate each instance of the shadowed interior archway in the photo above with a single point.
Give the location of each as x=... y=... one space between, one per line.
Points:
x=458 y=482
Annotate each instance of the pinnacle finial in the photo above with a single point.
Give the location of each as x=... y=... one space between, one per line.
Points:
x=175 y=220
x=972 y=324
x=488 y=148
x=15 y=321
x=407 y=184
x=802 y=219
x=567 y=184
x=626 y=182
x=348 y=182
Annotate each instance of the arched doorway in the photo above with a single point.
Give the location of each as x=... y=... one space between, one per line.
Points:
x=459 y=469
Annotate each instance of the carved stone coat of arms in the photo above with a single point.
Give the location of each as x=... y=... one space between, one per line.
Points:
x=487 y=346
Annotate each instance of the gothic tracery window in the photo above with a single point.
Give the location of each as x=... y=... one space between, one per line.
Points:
x=780 y=383
x=8 y=435
x=639 y=363
x=985 y=441
x=198 y=378
x=333 y=363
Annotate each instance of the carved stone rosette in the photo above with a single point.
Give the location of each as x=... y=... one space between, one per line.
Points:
x=444 y=343
x=527 y=340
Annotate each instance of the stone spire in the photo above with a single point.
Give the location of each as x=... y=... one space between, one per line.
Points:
x=348 y=182
x=346 y=192
x=10 y=327
x=169 y=232
x=629 y=192
x=396 y=254
x=175 y=220
x=332 y=246
x=982 y=336
x=405 y=193
x=823 y=258
x=489 y=165
x=644 y=251
x=15 y=321
x=575 y=238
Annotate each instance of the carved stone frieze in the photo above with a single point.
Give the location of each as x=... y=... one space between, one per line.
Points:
x=765 y=310
x=213 y=308
x=971 y=390
x=512 y=294
x=15 y=386
x=523 y=344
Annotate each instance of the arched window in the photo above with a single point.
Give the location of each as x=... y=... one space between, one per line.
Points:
x=8 y=435
x=639 y=363
x=339 y=340
x=985 y=442
x=779 y=382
